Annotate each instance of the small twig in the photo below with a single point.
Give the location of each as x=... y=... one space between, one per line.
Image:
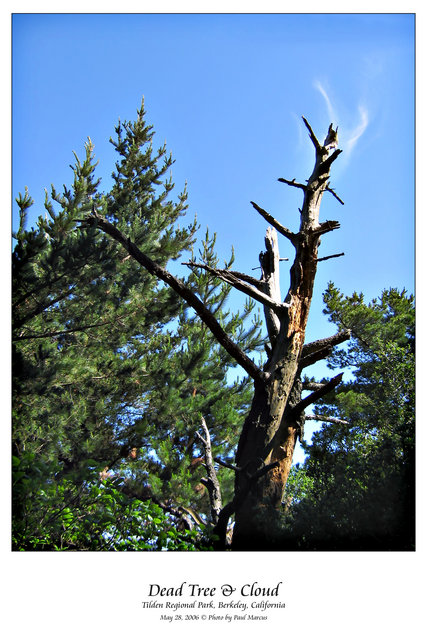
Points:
x=335 y=255
x=325 y=227
x=227 y=465
x=53 y=334
x=331 y=419
x=292 y=183
x=334 y=194
x=280 y=260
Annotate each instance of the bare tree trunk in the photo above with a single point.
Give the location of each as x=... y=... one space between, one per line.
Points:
x=273 y=424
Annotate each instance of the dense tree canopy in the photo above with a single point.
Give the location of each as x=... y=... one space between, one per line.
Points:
x=356 y=489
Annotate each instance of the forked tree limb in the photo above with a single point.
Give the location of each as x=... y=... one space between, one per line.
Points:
x=221 y=526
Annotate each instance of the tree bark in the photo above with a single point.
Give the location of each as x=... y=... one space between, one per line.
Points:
x=271 y=429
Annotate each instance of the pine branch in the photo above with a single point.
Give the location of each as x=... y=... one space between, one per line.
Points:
x=53 y=334
x=185 y=293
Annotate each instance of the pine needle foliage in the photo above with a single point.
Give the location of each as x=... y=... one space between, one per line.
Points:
x=111 y=372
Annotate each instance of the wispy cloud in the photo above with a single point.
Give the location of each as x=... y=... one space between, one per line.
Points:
x=359 y=130
x=331 y=111
x=349 y=133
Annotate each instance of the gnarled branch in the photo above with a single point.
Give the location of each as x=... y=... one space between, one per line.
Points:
x=182 y=290
x=316 y=395
x=331 y=341
x=325 y=227
x=238 y=283
x=276 y=224
x=330 y=190
x=319 y=349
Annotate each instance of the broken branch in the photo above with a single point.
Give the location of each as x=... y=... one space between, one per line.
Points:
x=325 y=227
x=334 y=255
x=245 y=287
x=292 y=183
x=331 y=341
x=275 y=223
x=314 y=140
x=316 y=395
x=211 y=482
x=331 y=419
x=334 y=194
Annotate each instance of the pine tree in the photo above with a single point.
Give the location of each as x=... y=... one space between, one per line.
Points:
x=356 y=489
x=110 y=371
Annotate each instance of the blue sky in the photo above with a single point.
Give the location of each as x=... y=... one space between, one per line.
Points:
x=227 y=92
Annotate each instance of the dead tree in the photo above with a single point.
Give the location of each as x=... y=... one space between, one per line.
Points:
x=275 y=420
